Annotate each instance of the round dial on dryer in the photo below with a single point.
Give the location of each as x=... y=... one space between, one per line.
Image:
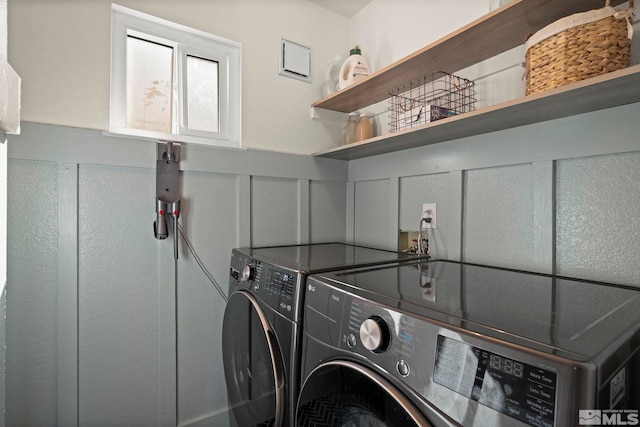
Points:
x=374 y=334
x=248 y=271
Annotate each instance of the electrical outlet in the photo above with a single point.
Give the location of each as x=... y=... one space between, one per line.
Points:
x=429 y=210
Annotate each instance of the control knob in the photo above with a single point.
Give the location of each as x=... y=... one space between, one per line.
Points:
x=374 y=334
x=248 y=272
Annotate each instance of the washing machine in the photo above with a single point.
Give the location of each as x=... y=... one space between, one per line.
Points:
x=443 y=343
x=262 y=323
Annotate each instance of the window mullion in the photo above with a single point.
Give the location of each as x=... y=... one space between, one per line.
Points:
x=179 y=90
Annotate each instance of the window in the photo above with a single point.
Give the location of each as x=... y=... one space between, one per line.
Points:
x=169 y=81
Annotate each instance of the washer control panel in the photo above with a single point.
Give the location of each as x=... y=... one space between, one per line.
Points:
x=377 y=331
x=517 y=389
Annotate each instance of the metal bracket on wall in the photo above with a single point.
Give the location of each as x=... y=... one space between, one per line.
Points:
x=167 y=191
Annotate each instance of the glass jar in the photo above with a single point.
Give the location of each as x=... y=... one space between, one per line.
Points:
x=364 y=129
x=349 y=129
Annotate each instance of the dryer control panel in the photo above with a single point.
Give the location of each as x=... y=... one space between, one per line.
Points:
x=275 y=286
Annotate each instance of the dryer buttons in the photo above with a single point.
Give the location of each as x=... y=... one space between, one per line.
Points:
x=351 y=340
x=403 y=368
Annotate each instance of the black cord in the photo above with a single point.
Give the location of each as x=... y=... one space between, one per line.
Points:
x=421 y=249
x=201 y=265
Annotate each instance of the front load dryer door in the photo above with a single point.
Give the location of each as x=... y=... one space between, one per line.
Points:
x=252 y=364
x=345 y=394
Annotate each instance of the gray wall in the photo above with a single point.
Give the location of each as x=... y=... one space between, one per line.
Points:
x=32 y=260
x=93 y=297
x=559 y=196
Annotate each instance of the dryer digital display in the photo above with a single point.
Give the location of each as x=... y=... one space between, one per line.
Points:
x=513 y=388
x=280 y=284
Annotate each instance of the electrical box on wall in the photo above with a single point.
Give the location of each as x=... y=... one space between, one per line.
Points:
x=295 y=60
x=429 y=211
x=407 y=240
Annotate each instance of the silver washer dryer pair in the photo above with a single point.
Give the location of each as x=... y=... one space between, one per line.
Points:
x=262 y=323
x=445 y=343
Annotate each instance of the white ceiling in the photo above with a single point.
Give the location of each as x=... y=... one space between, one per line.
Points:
x=346 y=8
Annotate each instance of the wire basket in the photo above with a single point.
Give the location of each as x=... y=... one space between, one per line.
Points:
x=429 y=99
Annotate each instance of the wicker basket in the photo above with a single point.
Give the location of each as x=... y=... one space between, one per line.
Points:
x=578 y=47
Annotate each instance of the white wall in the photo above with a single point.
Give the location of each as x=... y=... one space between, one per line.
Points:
x=3 y=221
x=3 y=28
x=61 y=51
x=418 y=23
x=390 y=30
x=3 y=158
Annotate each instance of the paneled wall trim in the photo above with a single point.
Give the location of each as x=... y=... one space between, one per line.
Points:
x=65 y=144
x=613 y=130
x=132 y=337
x=500 y=197
x=67 y=293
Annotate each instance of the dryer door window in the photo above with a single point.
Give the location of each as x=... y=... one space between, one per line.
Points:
x=252 y=364
x=345 y=394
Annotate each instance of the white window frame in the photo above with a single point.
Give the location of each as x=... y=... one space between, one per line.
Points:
x=185 y=41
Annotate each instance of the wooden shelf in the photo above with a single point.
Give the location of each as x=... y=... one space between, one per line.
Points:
x=609 y=90
x=494 y=33
x=484 y=38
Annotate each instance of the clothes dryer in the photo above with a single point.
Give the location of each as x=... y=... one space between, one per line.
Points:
x=452 y=344
x=262 y=323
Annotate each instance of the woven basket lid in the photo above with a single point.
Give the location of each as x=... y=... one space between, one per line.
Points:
x=576 y=20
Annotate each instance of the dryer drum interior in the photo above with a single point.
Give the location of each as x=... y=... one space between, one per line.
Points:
x=345 y=394
x=252 y=364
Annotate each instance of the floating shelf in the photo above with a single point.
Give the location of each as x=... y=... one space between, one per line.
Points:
x=484 y=38
x=492 y=34
x=609 y=90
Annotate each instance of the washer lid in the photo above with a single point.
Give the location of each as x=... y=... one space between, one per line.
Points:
x=578 y=316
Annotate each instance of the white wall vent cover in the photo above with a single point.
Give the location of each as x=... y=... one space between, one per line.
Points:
x=9 y=98
x=295 y=61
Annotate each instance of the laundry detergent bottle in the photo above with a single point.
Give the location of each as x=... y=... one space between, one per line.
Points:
x=354 y=68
